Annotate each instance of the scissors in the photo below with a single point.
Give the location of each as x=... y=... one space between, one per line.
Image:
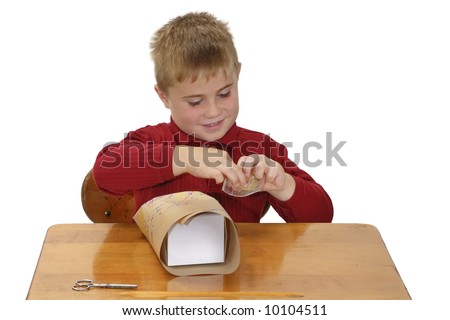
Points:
x=86 y=284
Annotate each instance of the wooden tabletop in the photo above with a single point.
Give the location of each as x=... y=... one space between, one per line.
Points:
x=278 y=261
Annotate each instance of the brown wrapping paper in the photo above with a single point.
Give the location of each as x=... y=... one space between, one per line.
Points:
x=156 y=217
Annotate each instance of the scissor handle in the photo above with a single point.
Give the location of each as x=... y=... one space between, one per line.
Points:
x=83 y=284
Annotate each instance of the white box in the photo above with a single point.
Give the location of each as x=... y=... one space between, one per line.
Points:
x=200 y=240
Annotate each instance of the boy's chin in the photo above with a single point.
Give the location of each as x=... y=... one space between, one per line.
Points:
x=213 y=134
x=210 y=137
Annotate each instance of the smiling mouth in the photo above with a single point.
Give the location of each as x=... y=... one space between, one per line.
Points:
x=214 y=124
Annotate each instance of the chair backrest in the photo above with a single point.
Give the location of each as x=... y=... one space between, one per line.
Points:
x=102 y=207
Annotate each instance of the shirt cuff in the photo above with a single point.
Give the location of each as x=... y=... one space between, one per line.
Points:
x=297 y=197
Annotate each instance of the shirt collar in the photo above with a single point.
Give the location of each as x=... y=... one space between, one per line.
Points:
x=182 y=138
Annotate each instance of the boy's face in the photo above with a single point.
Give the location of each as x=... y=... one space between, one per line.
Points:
x=204 y=108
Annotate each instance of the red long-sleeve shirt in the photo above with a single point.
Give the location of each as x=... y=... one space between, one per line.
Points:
x=142 y=162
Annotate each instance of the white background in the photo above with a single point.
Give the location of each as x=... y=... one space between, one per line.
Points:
x=75 y=75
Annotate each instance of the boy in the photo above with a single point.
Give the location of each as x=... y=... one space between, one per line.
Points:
x=197 y=72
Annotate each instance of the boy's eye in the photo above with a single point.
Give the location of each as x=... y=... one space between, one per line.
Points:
x=224 y=94
x=194 y=103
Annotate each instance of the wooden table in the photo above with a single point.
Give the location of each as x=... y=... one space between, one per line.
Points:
x=278 y=261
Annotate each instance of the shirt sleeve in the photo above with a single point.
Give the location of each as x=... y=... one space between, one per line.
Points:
x=143 y=159
x=310 y=202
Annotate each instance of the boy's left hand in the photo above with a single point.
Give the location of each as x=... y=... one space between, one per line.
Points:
x=276 y=181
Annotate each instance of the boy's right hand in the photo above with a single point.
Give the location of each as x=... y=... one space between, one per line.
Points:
x=208 y=163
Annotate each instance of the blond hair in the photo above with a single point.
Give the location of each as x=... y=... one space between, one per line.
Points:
x=192 y=45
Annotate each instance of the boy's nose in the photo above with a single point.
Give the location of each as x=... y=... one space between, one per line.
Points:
x=213 y=110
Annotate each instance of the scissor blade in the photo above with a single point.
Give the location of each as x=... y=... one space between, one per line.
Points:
x=117 y=286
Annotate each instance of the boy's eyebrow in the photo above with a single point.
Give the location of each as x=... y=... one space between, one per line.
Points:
x=201 y=95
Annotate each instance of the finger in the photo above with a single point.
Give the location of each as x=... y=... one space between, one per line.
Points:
x=272 y=174
x=246 y=163
x=265 y=166
x=241 y=177
x=218 y=177
x=260 y=170
x=252 y=160
x=235 y=176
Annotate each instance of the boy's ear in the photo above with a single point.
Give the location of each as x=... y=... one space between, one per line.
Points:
x=162 y=95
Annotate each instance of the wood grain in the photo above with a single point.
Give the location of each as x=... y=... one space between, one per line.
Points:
x=278 y=261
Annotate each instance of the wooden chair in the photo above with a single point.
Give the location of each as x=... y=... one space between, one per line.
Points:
x=102 y=207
